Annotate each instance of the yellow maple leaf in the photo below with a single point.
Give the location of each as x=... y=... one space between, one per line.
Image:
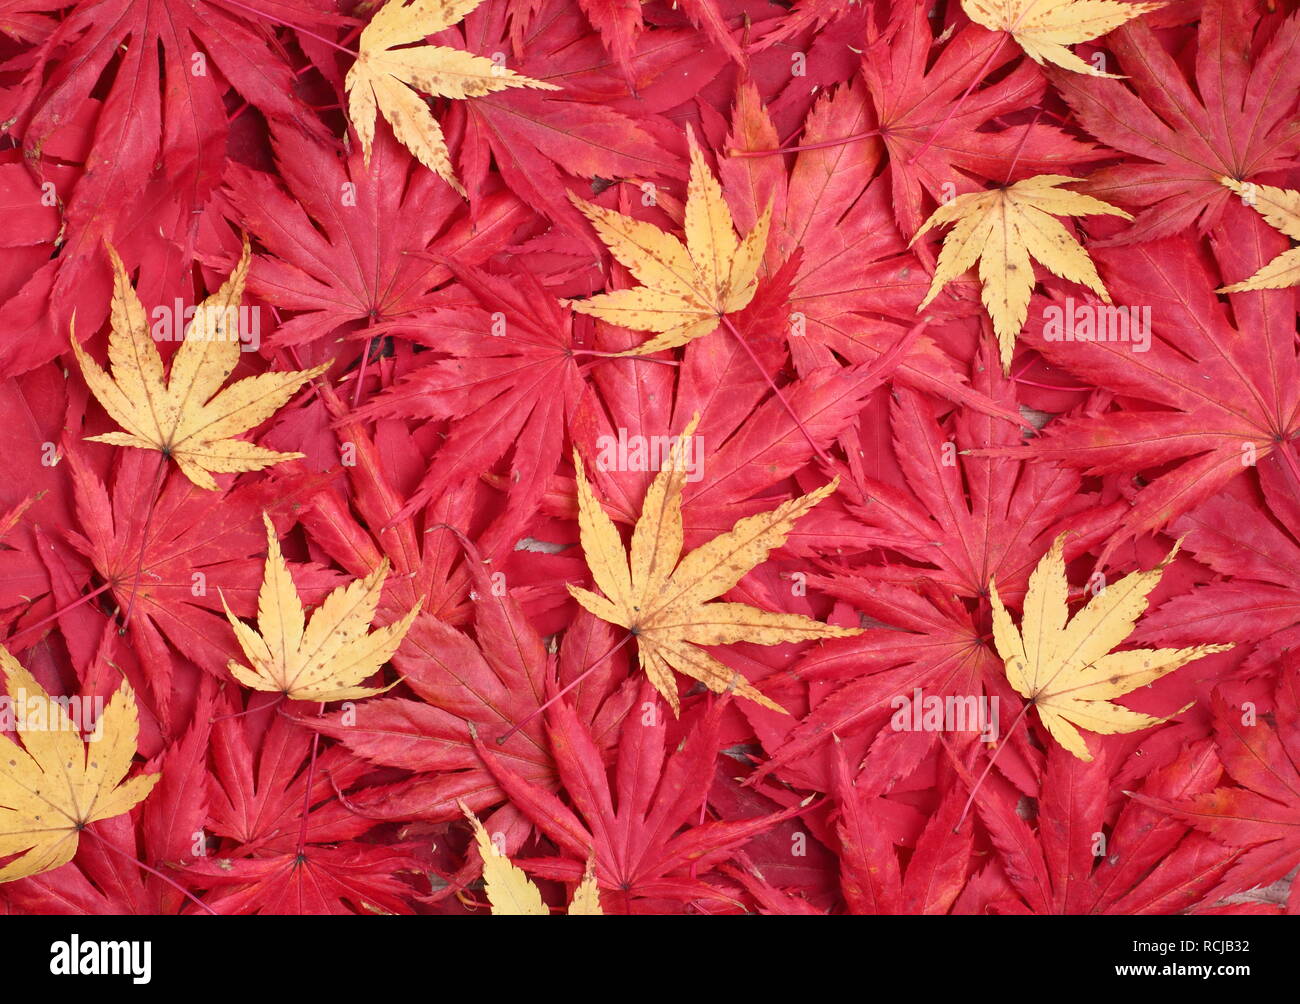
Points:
x=323 y=659
x=1004 y=228
x=511 y=893
x=1068 y=671
x=662 y=601
x=55 y=784
x=685 y=288
x=1043 y=28
x=1280 y=208
x=390 y=69
x=175 y=416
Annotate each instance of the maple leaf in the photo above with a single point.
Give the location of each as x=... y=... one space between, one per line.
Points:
x=509 y=890
x=385 y=78
x=180 y=417
x=105 y=878
x=926 y=641
x=536 y=141
x=1262 y=814
x=1255 y=599
x=644 y=825
x=149 y=82
x=1152 y=863
x=1068 y=671
x=1236 y=116
x=686 y=288
x=1280 y=208
x=526 y=375
x=326 y=657
x=1223 y=380
x=1043 y=28
x=351 y=878
x=1004 y=228
x=337 y=262
x=662 y=599
x=260 y=788
x=963 y=537
x=57 y=785
x=941 y=124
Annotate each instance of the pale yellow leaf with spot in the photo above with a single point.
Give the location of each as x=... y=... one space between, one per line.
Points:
x=1066 y=666
x=511 y=893
x=586 y=898
x=390 y=69
x=663 y=598
x=685 y=288
x=1043 y=28
x=1280 y=208
x=54 y=784
x=1005 y=230
x=175 y=415
x=323 y=659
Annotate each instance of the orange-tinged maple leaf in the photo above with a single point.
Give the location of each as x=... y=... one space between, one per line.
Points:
x=385 y=78
x=179 y=416
x=511 y=893
x=662 y=597
x=1280 y=208
x=55 y=785
x=1043 y=28
x=1004 y=229
x=1067 y=670
x=686 y=288
x=322 y=659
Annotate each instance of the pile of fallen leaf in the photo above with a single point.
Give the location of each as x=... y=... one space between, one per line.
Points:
x=590 y=456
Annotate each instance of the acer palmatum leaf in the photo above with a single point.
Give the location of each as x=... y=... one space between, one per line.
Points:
x=1280 y=208
x=187 y=416
x=1067 y=670
x=685 y=288
x=54 y=785
x=1183 y=121
x=390 y=69
x=326 y=657
x=510 y=892
x=662 y=597
x=1005 y=229
x=1043 y=28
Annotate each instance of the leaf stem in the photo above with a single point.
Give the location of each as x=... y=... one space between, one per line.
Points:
x=154 y=872
x=293 y=27
x=620 y=355
x=71 y=605
x=144 y=541
x=306 y=795
x=979 y=75
x=726 y=322
x=582 y=676
x=805 y=147
x=989 y=766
